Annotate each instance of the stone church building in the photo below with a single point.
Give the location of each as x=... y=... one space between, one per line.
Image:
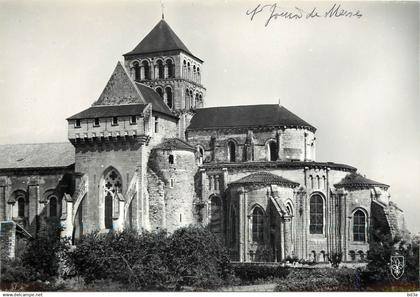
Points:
x=148 y=155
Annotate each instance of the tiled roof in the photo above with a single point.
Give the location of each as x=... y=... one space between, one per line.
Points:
x=246 y=116
x=151 y=96
x=355 y=180
x=102 y=111
x=121 y=90
x=37 y=155
x=265 y=178
x=175 y=144
x=161 y=39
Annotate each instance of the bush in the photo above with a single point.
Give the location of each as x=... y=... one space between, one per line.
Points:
x=377 y=275
x=198 y=258
x=250 y=273
x=322 y=279
x=42 y=253
x=335 y=259
x=191 y=256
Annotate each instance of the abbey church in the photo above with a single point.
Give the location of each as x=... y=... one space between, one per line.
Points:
x=148 y=155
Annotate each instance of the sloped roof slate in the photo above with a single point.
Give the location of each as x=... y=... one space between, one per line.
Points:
x=265 y=178
x=175 y=144
x=161 y=39
x=246 y=116
x=37 y=155
x=355 y=179
x=102 y=111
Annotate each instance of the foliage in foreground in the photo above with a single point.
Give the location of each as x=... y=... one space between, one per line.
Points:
x=320 y=279
x=377 y=275
x=37 y=261
x=191 y=256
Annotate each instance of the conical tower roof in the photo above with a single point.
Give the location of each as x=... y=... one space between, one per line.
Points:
x=161 y=39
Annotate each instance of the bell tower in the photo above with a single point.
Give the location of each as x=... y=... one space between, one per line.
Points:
x=163 y=62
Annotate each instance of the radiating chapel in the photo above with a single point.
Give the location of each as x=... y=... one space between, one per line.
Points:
x=148 y=155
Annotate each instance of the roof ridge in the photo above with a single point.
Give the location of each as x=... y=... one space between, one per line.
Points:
x=108 y=105
x=268 y=104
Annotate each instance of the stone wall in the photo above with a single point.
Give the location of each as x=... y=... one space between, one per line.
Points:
x=36 y=187
x=291 y=144
x=178 y=185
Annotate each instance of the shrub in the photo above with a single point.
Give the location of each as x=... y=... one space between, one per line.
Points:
x=250 y=273
x=191 y=256
x=377 y=275
x=42 y=253
x=319 y=279
x=124 y=257
x=197 y=258
x=335 y=259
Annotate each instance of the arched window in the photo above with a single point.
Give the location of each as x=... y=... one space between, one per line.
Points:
x=112 y=186
x=199 y=154
x=316 y=225
x=311 y=181
x=359 y=226
x=272 y=151
x=161 y=69
x=232 y=151
x=170 y=67
x=21 y=207
x=169 y=99
x=136 y=67
x=159 y=91
x=171 y=159
x=216 y=215
x=53 y=206
x=318 y=182
x=146 y=69
x=322 y=257
x=258 y=225
x=289 y=209
x=187 y=99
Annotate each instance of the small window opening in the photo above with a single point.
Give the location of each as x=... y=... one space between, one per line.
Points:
x=171 y=159
x=133 y=119
x=96 y=122
x=77 y=124
x=115 y=121
x=156 y=124
x=171 y=183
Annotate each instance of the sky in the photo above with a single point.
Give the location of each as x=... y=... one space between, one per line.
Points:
x=354 y=78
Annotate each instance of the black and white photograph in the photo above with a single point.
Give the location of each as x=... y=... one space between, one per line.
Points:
x=209 y=146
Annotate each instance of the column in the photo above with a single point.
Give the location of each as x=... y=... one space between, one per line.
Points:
x=242 y=218
x=67 y=216
x=280 y=144
x=166 y=71
x=33 y=192
x=3 y=204
x=225 y=177
x=165 y=97
x=156 y=72
x=142 y=73
x=287 y=235
x=133 y=73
